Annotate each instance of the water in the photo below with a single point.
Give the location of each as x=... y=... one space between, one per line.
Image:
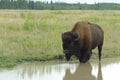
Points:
x=108 y=69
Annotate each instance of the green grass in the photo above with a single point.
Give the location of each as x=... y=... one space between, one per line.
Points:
x=36 y=35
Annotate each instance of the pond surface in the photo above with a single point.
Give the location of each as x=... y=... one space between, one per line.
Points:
x=108 y=69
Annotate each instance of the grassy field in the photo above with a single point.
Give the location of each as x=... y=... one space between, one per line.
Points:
x=31 y=35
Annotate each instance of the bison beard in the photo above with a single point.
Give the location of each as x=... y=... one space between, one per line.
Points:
x=81 y=40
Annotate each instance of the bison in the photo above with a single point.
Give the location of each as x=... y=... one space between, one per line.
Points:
x=80 y=41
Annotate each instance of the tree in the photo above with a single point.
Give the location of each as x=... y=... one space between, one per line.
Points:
x=22 y=4
x=5 y=4
x=31 y=4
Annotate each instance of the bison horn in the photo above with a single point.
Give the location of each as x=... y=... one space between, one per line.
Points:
x=78 y=38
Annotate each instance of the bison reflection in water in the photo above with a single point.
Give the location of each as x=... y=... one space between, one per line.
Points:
x=83 y=72
x=81 y=40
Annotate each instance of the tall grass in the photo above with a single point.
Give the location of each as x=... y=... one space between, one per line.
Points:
x=36 y=35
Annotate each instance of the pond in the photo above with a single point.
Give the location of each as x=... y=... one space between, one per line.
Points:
x=107 y=69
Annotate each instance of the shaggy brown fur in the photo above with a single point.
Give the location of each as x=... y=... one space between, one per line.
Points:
x=83 y=29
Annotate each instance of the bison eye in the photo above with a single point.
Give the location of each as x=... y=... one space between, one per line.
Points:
x=76 y=42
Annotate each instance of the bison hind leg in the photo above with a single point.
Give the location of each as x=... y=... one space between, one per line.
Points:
x=100 y=50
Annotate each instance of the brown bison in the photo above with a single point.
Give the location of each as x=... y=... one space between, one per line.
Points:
x=81 y=40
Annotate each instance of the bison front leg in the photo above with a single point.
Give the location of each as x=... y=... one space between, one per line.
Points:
x=85 y=56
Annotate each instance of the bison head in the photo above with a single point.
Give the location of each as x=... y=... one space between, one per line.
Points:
x=71 y=44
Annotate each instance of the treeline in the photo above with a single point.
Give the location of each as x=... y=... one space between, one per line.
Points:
x=38 y=5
